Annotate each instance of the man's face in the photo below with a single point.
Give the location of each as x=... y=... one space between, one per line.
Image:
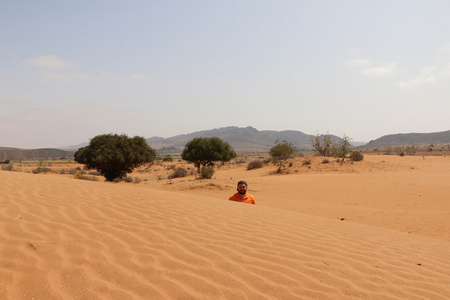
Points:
x=242 y=189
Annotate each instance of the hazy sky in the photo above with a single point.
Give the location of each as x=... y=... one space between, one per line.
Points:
x=70 y=70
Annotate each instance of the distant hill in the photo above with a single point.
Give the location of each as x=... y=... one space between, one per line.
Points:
x=74 y=147
x=241 y=139
x=15 y=154
x=410 y=138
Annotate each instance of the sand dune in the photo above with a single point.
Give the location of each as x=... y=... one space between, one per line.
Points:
x=70 y=239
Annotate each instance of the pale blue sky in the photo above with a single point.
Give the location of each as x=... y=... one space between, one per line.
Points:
x=70 y=70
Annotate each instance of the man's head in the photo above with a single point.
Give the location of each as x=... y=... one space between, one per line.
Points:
x=242 y=187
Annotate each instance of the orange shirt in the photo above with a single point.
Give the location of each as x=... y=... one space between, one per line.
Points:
x=248 y=198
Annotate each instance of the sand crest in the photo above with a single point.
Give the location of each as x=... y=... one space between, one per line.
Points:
x=71 y=239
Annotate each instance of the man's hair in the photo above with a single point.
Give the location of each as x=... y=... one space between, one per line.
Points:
x=242 y=182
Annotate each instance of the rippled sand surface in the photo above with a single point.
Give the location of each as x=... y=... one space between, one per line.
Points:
x=63 y=238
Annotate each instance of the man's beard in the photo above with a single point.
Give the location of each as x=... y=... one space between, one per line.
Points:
x=242 y=192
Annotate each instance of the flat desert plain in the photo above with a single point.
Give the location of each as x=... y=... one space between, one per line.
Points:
x=375 y=229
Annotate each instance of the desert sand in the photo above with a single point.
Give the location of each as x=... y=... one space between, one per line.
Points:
x=375 y=229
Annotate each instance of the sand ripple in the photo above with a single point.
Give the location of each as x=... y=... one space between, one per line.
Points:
x=98 y=240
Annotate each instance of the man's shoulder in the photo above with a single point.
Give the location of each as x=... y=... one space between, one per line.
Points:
x=235 y=196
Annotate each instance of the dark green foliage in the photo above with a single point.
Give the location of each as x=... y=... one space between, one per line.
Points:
x=356 y=156
x=115 y=155
x=254 y=165
x=204 y=151
x=178 y=172
x=167 y=158
x=280 y=153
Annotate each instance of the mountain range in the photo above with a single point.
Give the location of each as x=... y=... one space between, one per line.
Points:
x=247 y=139
x=399 y=139
x=241 y=139
x=16 y=154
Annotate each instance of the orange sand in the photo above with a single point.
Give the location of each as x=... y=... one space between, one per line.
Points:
x=63 y=238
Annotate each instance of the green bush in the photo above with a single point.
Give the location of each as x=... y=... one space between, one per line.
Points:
x=256 y=164
x=356 y=156
x=178 y=172
x=167 y=158
x=115 y=155
x=280 y=153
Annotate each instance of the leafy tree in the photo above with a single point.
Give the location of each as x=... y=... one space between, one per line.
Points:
x=280 y=153
x=322 y=143
x=342 y=148
x=204 y=151
x=115 y=155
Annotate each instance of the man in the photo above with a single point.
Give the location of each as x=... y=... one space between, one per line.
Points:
x=242 y=195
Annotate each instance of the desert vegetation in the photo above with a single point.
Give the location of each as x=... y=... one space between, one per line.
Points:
x=115 y=155
x=280 y=153
x=178 y=172
x=256 y=164
x=356 y=156
x=342 y=148
x=206 y=151
x=322 y=144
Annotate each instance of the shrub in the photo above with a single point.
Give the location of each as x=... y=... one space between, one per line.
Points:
x=322 y=143
x=356 y=156
x=41 y=170
x=342 y=148
x=280 y=153
x=8 y=167
x=306 y=161
x=167 y=158
x=412 y=149
x=206 y=172
x=256 y=164
x=389 y=150
x=178 y=172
